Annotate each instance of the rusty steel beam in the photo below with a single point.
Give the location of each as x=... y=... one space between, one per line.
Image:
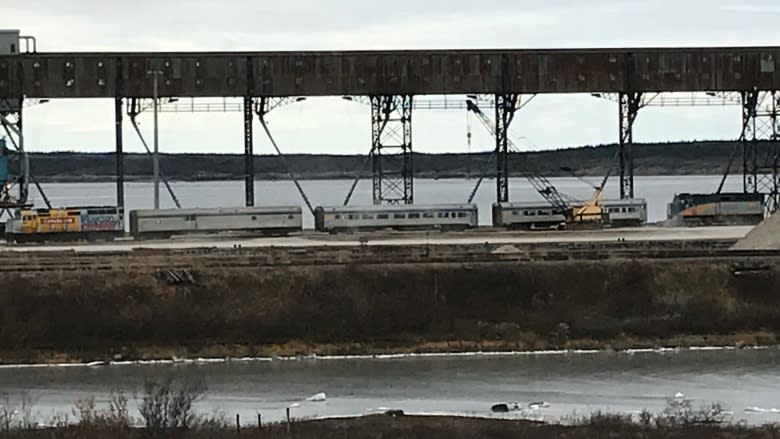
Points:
x=629 y=106
x=119 y=154
x=373 y=73
x=505 y=107
x=249 y=154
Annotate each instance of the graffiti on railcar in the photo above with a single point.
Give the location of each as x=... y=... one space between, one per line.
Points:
x=99 y=223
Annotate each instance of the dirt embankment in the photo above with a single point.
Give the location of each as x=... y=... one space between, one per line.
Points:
x=355 y=301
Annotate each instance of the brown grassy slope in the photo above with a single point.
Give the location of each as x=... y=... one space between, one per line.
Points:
x=535 y=304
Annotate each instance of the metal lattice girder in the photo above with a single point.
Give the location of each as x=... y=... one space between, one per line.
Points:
x=630 y=103
x=391 y=149
x=760 y=145
x=506 y=105
x=14 y=193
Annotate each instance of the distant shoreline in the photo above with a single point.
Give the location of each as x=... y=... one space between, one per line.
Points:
x=653 y=159
x=147 y=179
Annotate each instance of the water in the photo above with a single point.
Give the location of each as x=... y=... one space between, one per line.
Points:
x=658 y=191
x=573 y=384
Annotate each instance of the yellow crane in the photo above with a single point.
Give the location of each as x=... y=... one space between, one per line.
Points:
x=576 y=214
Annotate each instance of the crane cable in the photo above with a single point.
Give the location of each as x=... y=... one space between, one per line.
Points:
x=149 y=152
x=286 y=166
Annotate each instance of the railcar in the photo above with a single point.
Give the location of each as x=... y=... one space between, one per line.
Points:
x=541 y=215
x=65 y=224
x=281 y=220
x=406 y=217
x=528 y=216
x=630 y=212
x=716 y=209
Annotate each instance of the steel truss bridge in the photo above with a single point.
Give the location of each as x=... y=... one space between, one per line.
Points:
x=389 y=81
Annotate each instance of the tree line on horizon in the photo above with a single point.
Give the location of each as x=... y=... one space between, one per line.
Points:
x=670 y=158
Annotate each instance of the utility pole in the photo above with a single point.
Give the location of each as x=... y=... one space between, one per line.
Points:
x=155 y=154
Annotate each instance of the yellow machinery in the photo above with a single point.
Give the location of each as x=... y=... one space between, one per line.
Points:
x=592 y=211
x=50 y=220
x=69 y=223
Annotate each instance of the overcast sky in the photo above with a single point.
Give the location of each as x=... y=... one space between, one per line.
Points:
x=336 y=126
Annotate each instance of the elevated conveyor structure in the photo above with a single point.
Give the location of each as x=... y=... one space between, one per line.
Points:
x=627 y=72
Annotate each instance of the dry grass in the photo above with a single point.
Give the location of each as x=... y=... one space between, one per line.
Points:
x=418 y=427
x=70 y=316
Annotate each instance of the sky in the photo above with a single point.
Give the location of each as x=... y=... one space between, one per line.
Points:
x=332 y=125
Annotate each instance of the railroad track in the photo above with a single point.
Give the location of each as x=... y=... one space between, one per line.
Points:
x=238 y=259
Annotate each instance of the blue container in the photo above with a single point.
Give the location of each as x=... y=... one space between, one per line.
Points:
x=3 y=163
x=3 y=169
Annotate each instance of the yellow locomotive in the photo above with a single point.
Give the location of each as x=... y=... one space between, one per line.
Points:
x=67 y=224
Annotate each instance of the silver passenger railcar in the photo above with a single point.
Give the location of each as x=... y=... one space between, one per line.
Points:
x=625 y=213
x=280 y=220
x=404 y=217
x=541 y=215
x=528 y=216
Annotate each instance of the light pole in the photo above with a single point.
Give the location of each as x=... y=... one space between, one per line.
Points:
x=155 y=156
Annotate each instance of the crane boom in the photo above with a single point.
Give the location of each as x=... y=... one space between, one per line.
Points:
x=532 y=173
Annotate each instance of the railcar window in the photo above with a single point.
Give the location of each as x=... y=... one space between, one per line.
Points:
x=399 y=216
x=461 y=214
x=632 y=209
x=338 y=216
x=353 y=217
x=368 y=217
x=428 y=215
x=382 y=216
x=414 y=216
x=254 y=218
x=290 y=217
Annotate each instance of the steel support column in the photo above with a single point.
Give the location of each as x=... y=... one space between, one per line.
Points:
x=760 y=145
x=19 y=163
x=120 y=159
x=249 y=155
x=506 y=105
x=630 y=103
x=391 y=149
